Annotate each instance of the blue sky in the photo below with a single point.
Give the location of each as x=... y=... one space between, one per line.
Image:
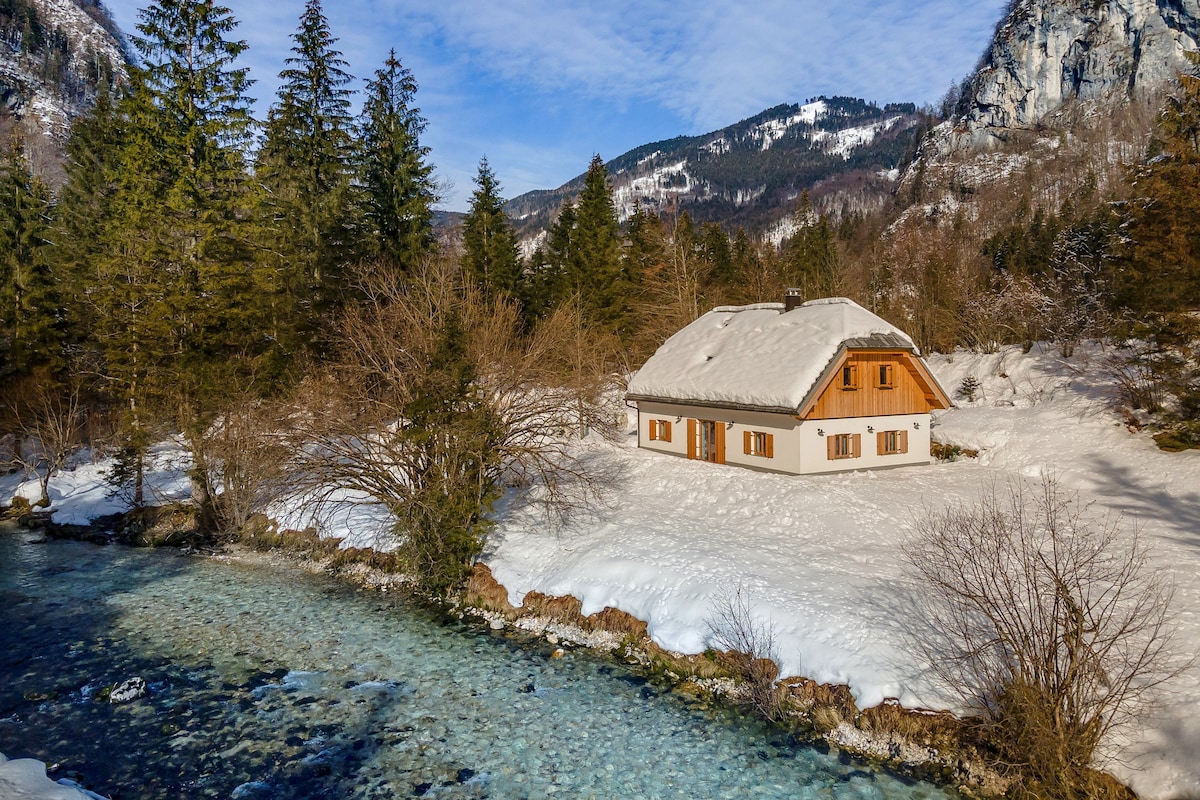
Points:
x=540 y=86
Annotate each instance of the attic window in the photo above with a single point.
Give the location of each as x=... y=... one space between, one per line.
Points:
x=886 y=377
x=849 y=377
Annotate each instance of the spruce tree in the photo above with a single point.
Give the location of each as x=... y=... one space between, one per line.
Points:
x=178 y=302
x=397 y=184
x=595 y=262
x=30 y=309
x=1161 y=268
x=490 y=254
x=305 y=164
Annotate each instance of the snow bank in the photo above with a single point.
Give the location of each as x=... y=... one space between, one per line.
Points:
x=26 y=779
x=818 y=555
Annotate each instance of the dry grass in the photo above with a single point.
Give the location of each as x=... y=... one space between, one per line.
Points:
x=941 y=730
x=482 y=590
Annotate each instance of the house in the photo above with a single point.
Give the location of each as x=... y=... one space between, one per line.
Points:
x=791 y=387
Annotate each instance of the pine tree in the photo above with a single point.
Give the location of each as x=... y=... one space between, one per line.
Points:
x=490 y=249
x=398 y=188
x=30 y=308
x=305 y=164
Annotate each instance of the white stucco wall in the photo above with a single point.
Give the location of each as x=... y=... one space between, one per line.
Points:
x=799 y=447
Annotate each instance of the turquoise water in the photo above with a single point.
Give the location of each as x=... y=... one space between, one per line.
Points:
x=272 y=683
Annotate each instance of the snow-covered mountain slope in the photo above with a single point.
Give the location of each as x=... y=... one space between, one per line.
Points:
x=54 y=55
x=751 y=173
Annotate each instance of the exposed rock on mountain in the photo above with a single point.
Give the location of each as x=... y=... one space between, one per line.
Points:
x=844 y=152
x=1048 y=53
x=54 y=57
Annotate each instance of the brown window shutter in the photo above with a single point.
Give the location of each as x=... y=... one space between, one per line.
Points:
x=856 y=444
x=746 y=437
x=903 y=441
x=720 y=443
x=831 y=442
x=667 y=431
x=691 y=434
x=653 y=430
x=881 y=443
x=770 y=445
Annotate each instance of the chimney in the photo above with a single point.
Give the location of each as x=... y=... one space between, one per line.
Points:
x=792 y=298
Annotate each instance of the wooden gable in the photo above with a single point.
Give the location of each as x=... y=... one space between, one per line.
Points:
x=874 y=383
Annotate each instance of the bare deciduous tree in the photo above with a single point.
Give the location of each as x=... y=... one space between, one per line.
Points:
x=1048 y=624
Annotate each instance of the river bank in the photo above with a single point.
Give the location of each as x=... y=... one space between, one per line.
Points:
x=264 y=680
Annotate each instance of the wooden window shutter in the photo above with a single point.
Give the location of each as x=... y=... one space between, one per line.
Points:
x=653 y=430
x=856 y=445
x=903 y=441
x=881 y=443
x=747 y=439
x=831 y=442
x=691 y=434
x=666 y=431
x=720 y=426
x=770 y=445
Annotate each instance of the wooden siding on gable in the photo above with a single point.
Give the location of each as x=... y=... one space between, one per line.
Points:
x=906 y=395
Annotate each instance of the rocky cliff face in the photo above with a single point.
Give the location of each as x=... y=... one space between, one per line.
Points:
x=1047 y=53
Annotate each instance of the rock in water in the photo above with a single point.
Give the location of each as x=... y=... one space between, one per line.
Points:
x=131 y=689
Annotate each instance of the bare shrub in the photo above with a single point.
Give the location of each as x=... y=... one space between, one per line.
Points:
x=749 y=647
x=244 y=457
x=47 y=420
x=1046 y=622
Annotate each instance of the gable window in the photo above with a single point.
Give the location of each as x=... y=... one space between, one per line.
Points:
x=660 y=430
x=844 y=445
x=850 y=376
x=886 y=376
x=758 y=443
x=892 y=443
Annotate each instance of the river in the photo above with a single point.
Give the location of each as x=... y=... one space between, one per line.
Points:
x=270 y=682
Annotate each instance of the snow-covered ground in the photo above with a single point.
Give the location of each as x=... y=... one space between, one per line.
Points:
x=818 y=555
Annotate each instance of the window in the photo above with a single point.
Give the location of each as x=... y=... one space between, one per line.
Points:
x=892 y=443
x=850 y=376
x=758 y=443
x=886 y=376
x=845 y=445
x=660 y=430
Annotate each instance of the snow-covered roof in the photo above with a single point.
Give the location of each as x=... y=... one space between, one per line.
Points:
x=758 y=356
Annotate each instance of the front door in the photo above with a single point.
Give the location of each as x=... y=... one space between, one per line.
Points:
x=706 y=440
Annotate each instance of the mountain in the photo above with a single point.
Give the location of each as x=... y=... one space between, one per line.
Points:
x=1048 y=55
x=1064 y=98
x=846 y=153
x=54 y=57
